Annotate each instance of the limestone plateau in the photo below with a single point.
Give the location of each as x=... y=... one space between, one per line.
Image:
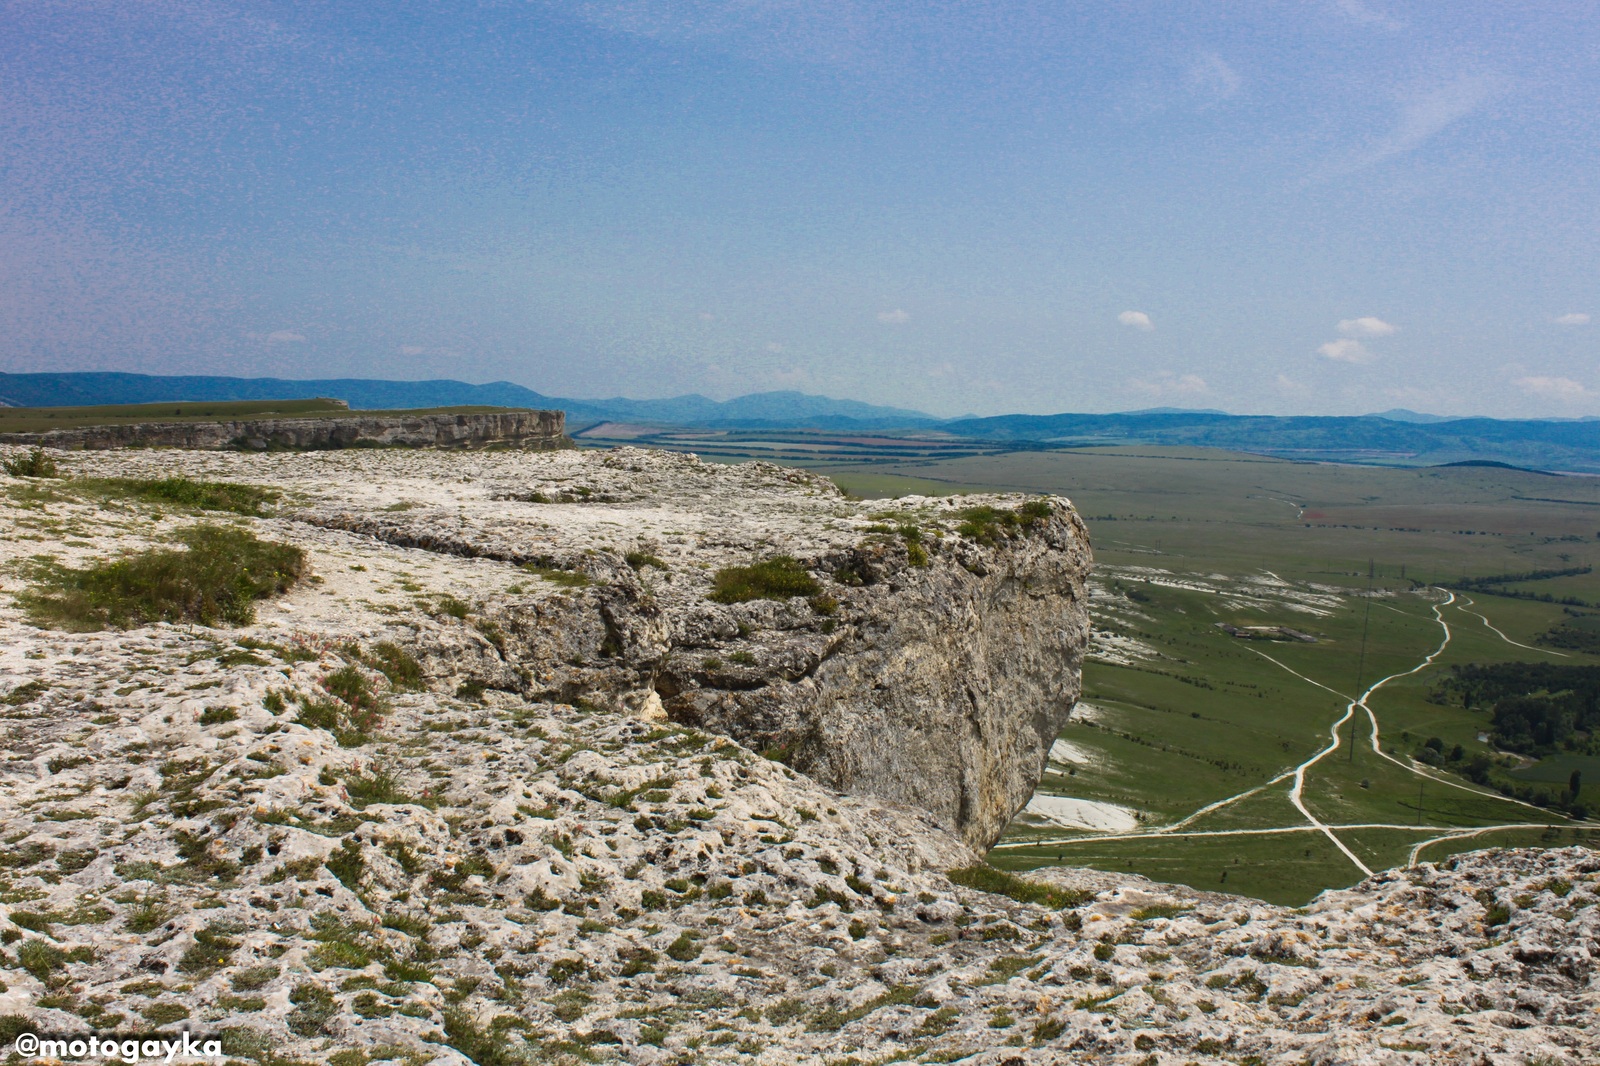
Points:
x=589 y=757
x=536 y=430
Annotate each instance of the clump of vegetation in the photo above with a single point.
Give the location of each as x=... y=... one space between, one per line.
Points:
x=396 y=664
x=640 y=560
x=989 y=879
x=185 y=492
x=218 y=580
x=354 y=713
x=567 y=579
x=777 y=578
x=37 y=463
x=990 y=525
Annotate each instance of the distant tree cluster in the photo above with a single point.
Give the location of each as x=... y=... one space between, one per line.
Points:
x=1535 y=709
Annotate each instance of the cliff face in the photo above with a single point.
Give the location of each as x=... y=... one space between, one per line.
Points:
x=926 y=667
x=537 y=430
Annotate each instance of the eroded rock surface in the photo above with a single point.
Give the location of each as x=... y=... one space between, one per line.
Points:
x=928 y=667
x=196 y=837
x=538 y=430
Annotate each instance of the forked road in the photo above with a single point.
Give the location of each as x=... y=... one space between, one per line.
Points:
x=1298 y=773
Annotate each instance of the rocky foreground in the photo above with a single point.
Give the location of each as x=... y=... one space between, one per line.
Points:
x=440 y=802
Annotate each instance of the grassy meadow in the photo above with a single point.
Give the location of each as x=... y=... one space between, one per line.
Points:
x=1178 y=715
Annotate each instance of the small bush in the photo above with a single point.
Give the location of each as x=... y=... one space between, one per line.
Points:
x=684 y=948
x=314 y=1007
x=989 y=525
x=398 y=665
x=640 y=560
x=777 y=578
x=381 y=787
x=989 y=879
x=569 y=579
x=37 y=463
x=216 y=581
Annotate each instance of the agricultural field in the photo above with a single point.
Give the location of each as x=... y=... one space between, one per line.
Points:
x=1271 y=637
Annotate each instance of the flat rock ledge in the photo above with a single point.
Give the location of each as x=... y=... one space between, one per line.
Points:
x=495 y=874
x=535 y=430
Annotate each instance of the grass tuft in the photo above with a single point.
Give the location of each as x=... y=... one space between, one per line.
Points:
x=37 y=463
x=777 y=578
x=988 y=879
x=217 y=580
x=248 y=500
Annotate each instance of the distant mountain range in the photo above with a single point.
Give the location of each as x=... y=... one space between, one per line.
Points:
x=1395 y=437
x=777 y=410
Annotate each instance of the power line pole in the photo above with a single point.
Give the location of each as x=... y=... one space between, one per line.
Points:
x=1361 y=667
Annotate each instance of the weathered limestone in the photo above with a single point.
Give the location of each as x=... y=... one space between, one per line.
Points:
x=500 y=874
x=932 y=672
x=536 y=430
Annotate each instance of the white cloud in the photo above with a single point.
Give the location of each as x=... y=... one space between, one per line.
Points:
x=707 y=316
x=1167 y=383
x=1291 y=386
x=1136 y=319
x=774 y=347
x=1365 y=327
x=894 y=317
x=411 y=349
x=1345 y=351
x=1577 y=318
x=285 y=336
x=1561 y=388
x=1212 y=78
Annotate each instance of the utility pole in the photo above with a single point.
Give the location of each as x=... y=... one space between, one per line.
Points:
x=1422 y=781
x=1361 y=667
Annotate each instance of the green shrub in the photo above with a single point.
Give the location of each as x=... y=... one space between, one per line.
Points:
x=37 y=463
x=200 y=495
x=353 y=689
x=640 y=560
x=570 y=579
x=314 y=1007
x=380 y=787
x=216 y=581
x=777 y=578
x=989 y=879
x=398 y=665
x=989 y=525
x=684 y=948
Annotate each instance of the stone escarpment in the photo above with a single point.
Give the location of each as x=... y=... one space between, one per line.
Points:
x=535 y=430
x=926 y=666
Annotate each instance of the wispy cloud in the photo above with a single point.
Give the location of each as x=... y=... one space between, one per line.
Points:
x=1357 y=11
x=1365 y=327
x=1136 y=319
x=1427 y=112
x=1577 y=318
x=1553 y=387
x=285 y=336
x=893 y=318
x=1346 y=351
x=1212 y=79
x=1167 y=383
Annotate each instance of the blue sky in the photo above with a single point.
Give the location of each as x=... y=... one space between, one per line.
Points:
x=1325 y=206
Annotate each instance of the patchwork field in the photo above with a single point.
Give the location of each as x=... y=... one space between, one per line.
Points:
x=1275 y=757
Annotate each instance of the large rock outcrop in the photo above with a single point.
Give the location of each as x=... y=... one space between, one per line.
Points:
x=535 y=430
x=929 y=666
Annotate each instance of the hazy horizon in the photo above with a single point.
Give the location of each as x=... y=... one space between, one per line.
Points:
x=1334 y=207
